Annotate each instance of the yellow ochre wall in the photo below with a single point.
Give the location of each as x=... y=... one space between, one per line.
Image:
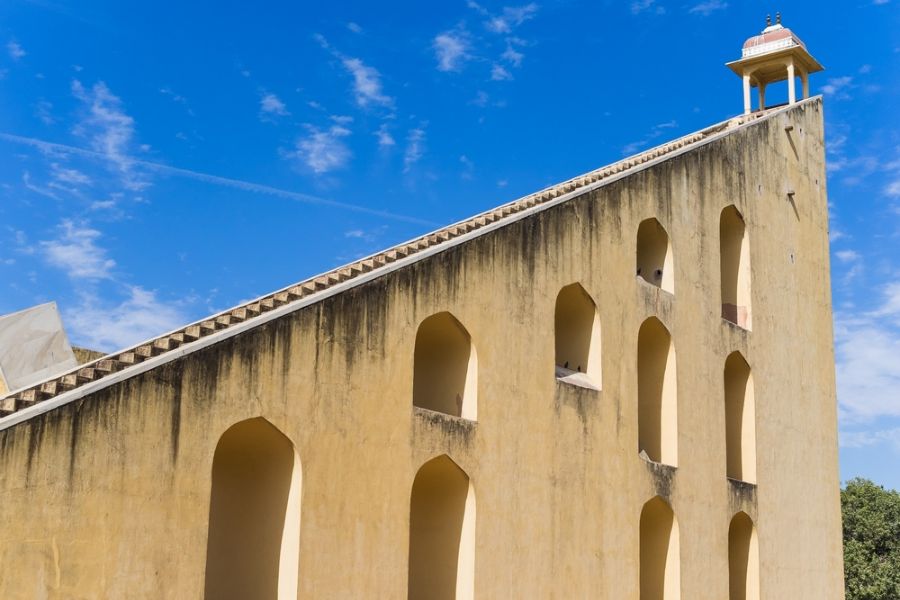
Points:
x=108 y=496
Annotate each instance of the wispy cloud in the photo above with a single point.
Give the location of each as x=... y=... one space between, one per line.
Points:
x=499 y=73
x=75 y=251
x=385 y=139
x=15 y=50
x=324 y=150
x=43 y=110
x=177 y=99
x=654 y=133
x=366 y=84
x=109 y=130
x=509 y=18
x=838 y=87
x=867 y=344
x=247 y=186
x=354 y=27
x=651 y=6
x=707 y=8
x=271 y=106
x=862 y=439
x=415 y=148
x=103 y=325
x=70 y=176
x=451 y=49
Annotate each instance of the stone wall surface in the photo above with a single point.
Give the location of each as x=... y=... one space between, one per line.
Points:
x=108 y=496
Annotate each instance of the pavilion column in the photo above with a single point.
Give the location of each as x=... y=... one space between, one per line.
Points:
x=746 y=93
x=762 y=96
x=792 y=85
x=804 y=78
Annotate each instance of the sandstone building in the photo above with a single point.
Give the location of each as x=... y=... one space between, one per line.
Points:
x=618 y=387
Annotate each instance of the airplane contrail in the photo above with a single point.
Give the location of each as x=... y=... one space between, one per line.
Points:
x=247 y=186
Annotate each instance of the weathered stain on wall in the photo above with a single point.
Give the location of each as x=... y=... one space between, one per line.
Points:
x=109 y=495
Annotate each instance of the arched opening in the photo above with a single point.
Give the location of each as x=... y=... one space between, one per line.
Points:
x=735 y=268
x=657 y=394
x=445 y=377
x=253 y=548
x=655 y=263
x=660 y=568
x=577 y=326
x=743 y=559
x=740 y=420
x=442 y=533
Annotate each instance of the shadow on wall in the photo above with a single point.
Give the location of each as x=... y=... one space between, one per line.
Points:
x=445 y=375
x=254 y=515
x=441 y=533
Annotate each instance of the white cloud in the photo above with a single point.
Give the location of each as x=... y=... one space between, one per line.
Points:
x=451 y=50
x=101 y=325
x=109 y=130
x=76 y=252
x=385 y=139
x=366 y=83
x=15 y=50
x=640 y=6
x=511 y=17
x=867 y=345
x=513 y=56
x=50 y=148
x=415 y=148
x=837 y=87
x=892 y=189
x=355 y=28
x=502 y=183
x=499 y=73
x=43 y=111
x=270 y=106
x=324 y=150
x=847 y=256
x=707 y=8
x=862 y=439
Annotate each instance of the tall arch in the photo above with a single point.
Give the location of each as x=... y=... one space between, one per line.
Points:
x=655 y=262
x=442 y=533
x=740 y=419
x=660 y=552
x=577 y=330
x=657 y=393
x=253 y=547
x=445 y=374
x=734 y=255
x=743 y=559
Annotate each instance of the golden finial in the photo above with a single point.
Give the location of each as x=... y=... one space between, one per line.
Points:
x=778 y=18
x=768 y=20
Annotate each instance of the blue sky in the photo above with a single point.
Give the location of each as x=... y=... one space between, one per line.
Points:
x=161 y=161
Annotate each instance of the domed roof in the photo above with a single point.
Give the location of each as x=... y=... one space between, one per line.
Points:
x=773 y=37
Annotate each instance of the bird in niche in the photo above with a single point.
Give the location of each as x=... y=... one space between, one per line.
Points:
x=566 y=365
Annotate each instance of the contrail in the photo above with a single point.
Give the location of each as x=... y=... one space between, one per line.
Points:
x=216 y=180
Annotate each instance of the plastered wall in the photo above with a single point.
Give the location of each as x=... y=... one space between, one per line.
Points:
x=108 y=496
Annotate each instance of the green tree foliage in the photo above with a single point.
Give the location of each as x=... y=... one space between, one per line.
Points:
x=871 y=541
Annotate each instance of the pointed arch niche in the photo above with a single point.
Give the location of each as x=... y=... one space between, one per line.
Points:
x=442 y=533
x=253 y=547
x=734 y=253
x=740 y=419
x=743 y=559
x=655 y=263
x=577 y=328
x=660 y=560
x=657 y=394
x=445 y=375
